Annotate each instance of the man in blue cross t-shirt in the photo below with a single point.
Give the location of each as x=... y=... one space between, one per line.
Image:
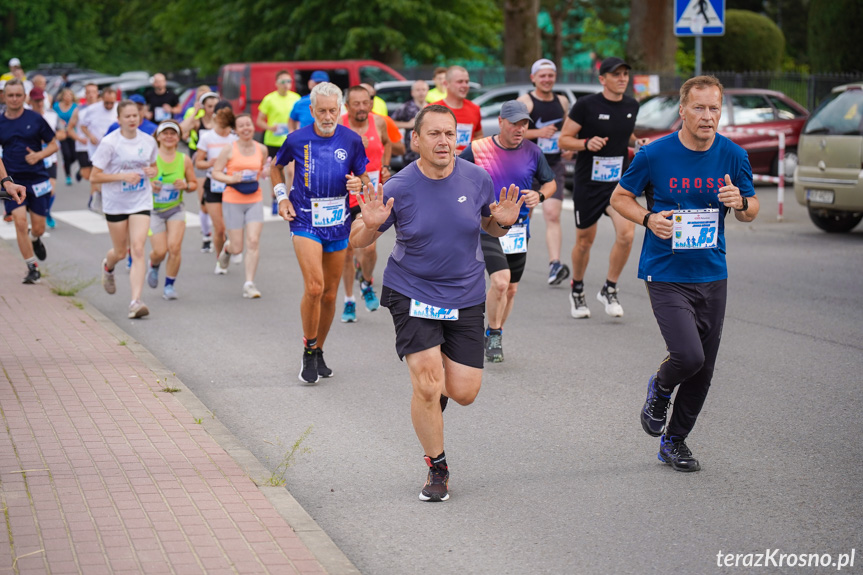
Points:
x=324 y=155
x=27 y=139
x=697 y=176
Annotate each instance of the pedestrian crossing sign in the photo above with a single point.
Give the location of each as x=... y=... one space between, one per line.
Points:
x=699 y=17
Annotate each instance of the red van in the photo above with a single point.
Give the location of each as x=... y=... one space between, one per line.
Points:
x=246 y=84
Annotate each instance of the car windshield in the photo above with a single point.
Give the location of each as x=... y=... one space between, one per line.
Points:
x=841 y=114
x=658 y=113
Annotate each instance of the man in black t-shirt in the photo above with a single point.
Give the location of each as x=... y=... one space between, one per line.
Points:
x=161 y=100
x=600 y=128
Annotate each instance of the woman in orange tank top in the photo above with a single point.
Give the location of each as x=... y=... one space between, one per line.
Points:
x=239 y=166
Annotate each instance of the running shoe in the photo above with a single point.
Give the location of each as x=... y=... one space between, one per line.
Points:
x=220 y=271
x=358 y=271
x=250 y=291
x=33 y=275
x=435 y=488
x=7 y=218
x=225 y=257
x=153 y=277
x=169 y=293
x=443 y=401
x=94 y=204
x=68 y=181
x=49 y=221
x=608 y=297
x=350 y=313
x=207 y=246
x=237 y=259
x=655 y=409
x=78 y=176
x=323 y=370
x=39 y=249
x=577 y=305
x=128 y=260
x=674 y=451
x=108 y=278
x=557 y=272
x=494 y=347
x=372 y=302
x=138 y=309
x=309 y=368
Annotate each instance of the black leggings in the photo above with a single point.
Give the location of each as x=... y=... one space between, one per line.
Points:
x=690 y=317
x=67 y=146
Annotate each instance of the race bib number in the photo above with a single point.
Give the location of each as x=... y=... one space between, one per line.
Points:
x=217 y=187
x=607 y=169
x=515 y=241
x=375 y=178
x=695 y=229
x=167 y=194
x=463 y=132
x=249 y=175
x=161 y=115
x=549 y=145
x=42 y=189
x=426 y=311
x=280 y=129
x=137 y=187
x=328 y=212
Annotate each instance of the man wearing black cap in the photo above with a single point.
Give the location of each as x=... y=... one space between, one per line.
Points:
x=600 y=127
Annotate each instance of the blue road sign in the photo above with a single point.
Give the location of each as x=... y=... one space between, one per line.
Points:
x=699 y=17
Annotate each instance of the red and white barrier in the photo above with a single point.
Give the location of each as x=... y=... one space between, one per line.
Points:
x=778 y=179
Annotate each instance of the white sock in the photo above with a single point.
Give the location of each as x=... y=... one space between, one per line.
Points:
x=205 y=224
x=350 y=299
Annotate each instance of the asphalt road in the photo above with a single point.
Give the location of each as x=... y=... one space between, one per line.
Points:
x=551 y=472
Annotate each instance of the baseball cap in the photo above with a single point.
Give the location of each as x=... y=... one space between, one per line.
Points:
x=14 y=62
x=542 y=64
x=611 y=64
x=514 y=111
x=138 y=99
x=168 y=125
x=37 y=94
x=320 y=76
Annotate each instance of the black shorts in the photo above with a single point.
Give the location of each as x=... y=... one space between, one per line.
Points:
x=211 y=197
x=83 y=159
x=52 y=171
x=460 y=340
x=590 y=206
x=273 y=150
x=355 y=211
x=559 y=178
x=124 y=217
x=496 y=260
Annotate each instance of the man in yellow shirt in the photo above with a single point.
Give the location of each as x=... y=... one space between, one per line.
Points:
x=439 y=90
x=274 y=112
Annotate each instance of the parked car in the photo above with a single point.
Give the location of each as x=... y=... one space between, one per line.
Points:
x=246 y=84
x=743 y=108
x=829 y=180
x=395 y=93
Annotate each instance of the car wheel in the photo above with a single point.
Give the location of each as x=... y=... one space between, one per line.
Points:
x=791 y=160
x=834 y=222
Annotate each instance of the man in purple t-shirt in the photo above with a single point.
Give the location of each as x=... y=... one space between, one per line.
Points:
x=434 y=282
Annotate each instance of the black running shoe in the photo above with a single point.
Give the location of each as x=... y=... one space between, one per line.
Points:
x=33 y=275
x=655 y=409
x=674 y=451
x=443 y=401
x=309 y=368
x=494 y=347
x=323 y=370
x=435 y=488
x=39 y=249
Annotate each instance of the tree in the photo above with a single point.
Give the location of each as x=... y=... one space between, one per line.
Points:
x=834 y=44
x=522 y=47
x=571 y=27
x=652 y=45
x=751 y=42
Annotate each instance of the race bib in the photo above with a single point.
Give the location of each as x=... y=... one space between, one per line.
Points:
x=249 y=175
x=160 y=114
x=167 y=194
x=328 y=212
x=515 y=241
x=375 y=177
x=138 y=187
x=426 y=311
x=695 y=229
x=463 y=132
x=42 y=189
x=217 y=187
x=280 y=129
x=606 y=169
x=549 y=145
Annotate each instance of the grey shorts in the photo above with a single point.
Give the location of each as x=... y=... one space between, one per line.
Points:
x=236 y=216
x=158 y=220
x=559 y=178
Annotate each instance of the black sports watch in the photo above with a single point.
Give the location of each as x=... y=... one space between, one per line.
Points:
x=541 y=197
x=6 y=179
x=745 y=205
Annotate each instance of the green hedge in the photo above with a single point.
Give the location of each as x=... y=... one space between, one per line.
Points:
x=752 y=42
x=834 y=35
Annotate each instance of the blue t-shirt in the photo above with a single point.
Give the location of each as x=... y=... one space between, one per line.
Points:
x=517 y=166
x=437 y=258
x=301 y=112
x=29 y=130
x=320 y=167
x=684 y=179
x=146 y=126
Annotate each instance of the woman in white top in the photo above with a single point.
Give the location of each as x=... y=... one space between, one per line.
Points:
x=123 y=163
x=210 y=144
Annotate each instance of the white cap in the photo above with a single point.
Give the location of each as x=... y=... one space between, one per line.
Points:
x=542 y=64
x=14 y=62
x=169 y=125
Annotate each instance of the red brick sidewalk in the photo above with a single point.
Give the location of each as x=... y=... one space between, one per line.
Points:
x=101 y=472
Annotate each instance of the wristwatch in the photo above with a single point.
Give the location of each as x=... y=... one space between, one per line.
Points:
x=541 y=197
x=646 y=218
x=6 y=179
x=745 y=205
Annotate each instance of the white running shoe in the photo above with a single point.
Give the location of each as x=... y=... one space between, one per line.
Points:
x=608 y=297
x=577 y=306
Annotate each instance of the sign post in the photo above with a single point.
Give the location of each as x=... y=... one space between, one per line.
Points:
x=699 y=18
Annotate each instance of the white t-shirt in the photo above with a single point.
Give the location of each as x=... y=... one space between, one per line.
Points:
x=117 y=154
x=53 y=119
x=211 y=145
x=82 y=112
x=97 y=119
